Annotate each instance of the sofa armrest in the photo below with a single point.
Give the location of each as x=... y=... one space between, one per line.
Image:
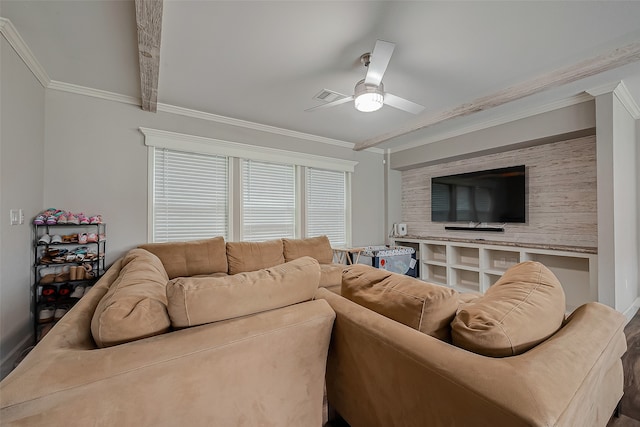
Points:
x=264 y=367
x=382 y=373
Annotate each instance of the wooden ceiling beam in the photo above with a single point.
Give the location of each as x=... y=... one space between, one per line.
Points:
x=149 y=23
x=590 y=67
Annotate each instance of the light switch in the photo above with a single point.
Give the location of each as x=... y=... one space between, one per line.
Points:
x=21 y=216
x=14 y=214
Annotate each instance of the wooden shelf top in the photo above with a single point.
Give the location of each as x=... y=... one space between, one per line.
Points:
x=553 y=247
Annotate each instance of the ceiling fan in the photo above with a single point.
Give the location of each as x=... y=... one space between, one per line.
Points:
x=369 y=94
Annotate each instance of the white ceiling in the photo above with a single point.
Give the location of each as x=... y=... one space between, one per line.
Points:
x=264 y=61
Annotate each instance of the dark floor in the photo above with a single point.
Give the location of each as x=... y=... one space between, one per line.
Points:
x=630 y=404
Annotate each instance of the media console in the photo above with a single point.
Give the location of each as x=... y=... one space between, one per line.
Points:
x=474 y=265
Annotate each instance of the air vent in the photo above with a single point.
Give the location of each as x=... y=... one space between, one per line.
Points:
x=326 y=95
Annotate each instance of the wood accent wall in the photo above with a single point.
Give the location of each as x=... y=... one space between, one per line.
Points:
x=561 y=198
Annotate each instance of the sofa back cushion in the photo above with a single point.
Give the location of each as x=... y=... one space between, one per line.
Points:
x=191 y=258
x=523 y=308
x=198 y=300
x=135 y=306
x=423 y=306
x=315 y=247
x=252 y=256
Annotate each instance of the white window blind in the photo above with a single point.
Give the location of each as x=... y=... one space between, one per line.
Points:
x=326 y=205
x=268 y=201
x=190 y=196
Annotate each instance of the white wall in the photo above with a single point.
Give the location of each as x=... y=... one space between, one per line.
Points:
x=393 y=200
x=625 y=215
x=22 y=118
x=618 y=249
x=562 y=124
x=96 y=162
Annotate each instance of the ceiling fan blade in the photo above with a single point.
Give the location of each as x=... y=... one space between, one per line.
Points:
x=402 y=104
x=380 y=58
x=331 y=104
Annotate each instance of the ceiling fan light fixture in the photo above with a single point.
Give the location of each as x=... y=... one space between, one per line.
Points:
x=368 y=98
x=368 y=102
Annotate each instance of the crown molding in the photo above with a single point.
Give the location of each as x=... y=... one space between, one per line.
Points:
x=625 y=97
x=620 y=90
x=20 y=46
x=94 y=93
x=257 y=126
x=496 y=121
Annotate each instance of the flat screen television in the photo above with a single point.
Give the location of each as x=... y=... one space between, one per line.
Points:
x=496 y=195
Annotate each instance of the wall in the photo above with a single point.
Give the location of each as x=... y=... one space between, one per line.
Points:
x=564 y=123
x=96 y=162
x=22 y=118
x=618 y=251
x=561 y=194
x=393 y=196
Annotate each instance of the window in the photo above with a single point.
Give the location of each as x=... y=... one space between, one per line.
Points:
x=201 y=187
x=189 y=196
x=326 y=205
x=268 y=201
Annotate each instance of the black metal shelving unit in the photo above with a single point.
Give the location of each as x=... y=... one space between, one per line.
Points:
x=42 y=263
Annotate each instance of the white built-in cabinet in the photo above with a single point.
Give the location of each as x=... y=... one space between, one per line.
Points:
x=474 y=267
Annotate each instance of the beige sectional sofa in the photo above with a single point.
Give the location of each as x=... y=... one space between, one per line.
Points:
x=167 y=337
x=209 y=333
x=407 y=353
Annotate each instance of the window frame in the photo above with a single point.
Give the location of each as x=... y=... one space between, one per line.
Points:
x=235 y=152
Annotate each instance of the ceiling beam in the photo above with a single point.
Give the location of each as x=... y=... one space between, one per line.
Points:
x=587 y=68
x=149 y=23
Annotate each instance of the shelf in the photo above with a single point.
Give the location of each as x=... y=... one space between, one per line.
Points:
x=498 y=273
x=466 y=256
x=501 y=260
x=64 y=249
x=465 y=268
x=70 y=225
x=437 y=252
x=466 y=280
x=435 y=274
x=69 y=243
x=440 y=263
x=477 y=265
x=491 y=278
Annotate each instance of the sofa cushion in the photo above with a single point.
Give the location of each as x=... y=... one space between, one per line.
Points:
x=135 y=306
x=423 y=306
x=198 y=300
x=523 y=308
x=315 y=247
x=191 y=258
x=331 y=275
x=252 y=256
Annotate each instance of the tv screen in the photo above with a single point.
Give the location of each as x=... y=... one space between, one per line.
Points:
x=496 y=195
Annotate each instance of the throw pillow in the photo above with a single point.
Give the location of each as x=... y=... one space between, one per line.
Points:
x=198 y=300
x=426 y=307
x=523 y=308
x=135 y=305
